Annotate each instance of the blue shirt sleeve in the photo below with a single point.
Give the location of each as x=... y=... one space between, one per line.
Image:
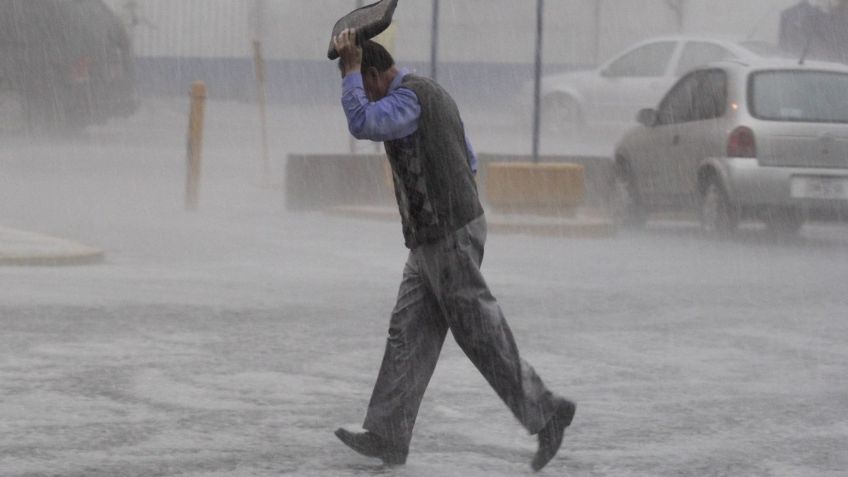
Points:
x=393 y=117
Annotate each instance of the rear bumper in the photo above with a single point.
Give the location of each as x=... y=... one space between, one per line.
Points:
x=753 y=186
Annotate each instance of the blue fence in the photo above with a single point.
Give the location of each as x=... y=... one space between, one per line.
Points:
x=317 y=82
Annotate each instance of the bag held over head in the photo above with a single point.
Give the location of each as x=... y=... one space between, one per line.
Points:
x=369 y=21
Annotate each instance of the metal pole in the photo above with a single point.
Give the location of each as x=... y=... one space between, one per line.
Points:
x=597 y=45
x=260 y=12
x=679 y=9
x=537 y=89
x=434 y=42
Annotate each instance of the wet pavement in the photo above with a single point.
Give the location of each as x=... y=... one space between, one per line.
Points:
x=234 y=340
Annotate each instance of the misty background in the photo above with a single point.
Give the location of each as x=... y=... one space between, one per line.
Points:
x=486 y=47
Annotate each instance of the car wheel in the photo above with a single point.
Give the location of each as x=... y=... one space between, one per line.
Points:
x=786 y=221
x=561 y=114
x=13 y=118
x=625 y=205
x=718 y=215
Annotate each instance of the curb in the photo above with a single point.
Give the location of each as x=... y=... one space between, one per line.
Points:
x=577 y=227
x=21 y=248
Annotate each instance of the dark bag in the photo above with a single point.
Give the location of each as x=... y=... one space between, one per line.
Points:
x=369 y=21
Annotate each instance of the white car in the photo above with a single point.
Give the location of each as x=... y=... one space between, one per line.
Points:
x=766 y=140
x=632 y=80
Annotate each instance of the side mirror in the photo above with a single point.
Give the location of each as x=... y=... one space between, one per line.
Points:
x=647 y=117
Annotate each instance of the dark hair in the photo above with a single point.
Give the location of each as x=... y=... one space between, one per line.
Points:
x=374 y=56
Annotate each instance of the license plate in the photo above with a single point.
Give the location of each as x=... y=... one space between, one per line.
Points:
x=820 y=188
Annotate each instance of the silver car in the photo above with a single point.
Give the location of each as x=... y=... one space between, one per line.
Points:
x=766 y=140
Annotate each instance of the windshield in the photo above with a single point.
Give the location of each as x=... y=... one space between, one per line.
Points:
x=799 y=96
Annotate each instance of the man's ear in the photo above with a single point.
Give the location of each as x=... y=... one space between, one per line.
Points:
x=372 y=73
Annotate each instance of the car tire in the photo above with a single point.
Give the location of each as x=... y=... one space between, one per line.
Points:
x=624 y=202
x=561 y=114
x=786 y=221
x=718 y=215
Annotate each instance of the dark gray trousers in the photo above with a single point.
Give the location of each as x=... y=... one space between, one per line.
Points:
x=443 y=289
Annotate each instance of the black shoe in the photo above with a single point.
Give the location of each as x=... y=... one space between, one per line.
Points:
x=372 y=445
x=550 y=437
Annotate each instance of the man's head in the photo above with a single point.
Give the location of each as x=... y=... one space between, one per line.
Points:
x=378 y=70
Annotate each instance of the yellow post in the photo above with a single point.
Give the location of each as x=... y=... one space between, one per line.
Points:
x=195 y=144
x=259 y=63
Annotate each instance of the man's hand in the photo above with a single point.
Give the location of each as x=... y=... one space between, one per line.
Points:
x=349 y=52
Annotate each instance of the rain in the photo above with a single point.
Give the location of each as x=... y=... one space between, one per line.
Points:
x=199 y=263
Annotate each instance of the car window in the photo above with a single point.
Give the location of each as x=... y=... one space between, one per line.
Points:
x=698 y=96
x=23 y=21
x=711 y=95
x=53 y=23
x=679 y=104
x=799 y=96
x=699 y=53
x=646 y=61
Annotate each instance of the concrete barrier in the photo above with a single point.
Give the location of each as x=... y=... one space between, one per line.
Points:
x=319 y=181
x=315 y=182
x=597 y=174
x=540 y=200
x=556 y=189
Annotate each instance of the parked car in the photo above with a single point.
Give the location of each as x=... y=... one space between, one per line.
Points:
x=766 y=139
x=611 y=94
x=64 y=64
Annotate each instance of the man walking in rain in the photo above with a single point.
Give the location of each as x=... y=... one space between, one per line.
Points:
x=442 y=288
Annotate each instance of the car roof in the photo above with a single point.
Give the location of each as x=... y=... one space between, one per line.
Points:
x=722 y=39
x=743 y=47
x=760 y=63
x=714 y=38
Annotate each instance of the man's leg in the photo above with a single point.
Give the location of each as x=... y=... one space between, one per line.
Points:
x=452 y=268
x=416 y=333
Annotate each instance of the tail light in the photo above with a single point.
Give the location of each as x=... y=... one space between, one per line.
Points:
x=742 y=143
x=81 y=70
